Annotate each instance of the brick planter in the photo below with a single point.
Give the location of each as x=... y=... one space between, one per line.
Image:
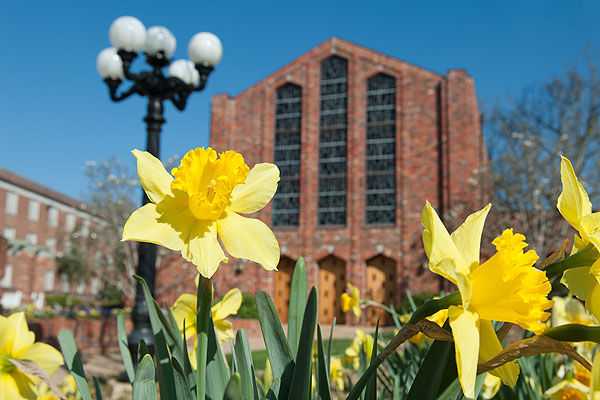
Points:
x=93 y=336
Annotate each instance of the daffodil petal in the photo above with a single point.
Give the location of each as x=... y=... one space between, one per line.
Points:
x=259 y=189
x=592 y=303
x=146 y=224
x=249 y=238
x=465 y=328
x=203 y=249
x=23 y=336
x=7 y=335
x=43 y=355
x=579 y=281
x=224 y=330
x=185 y=309
x=154 y=178
x=489 y=347
x=228 y=305
x=439 y=246
x=467 y=237
x=573 y=203
x=18 y=385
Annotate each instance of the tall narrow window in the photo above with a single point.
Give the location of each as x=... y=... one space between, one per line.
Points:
x=381 y=150
x=332 y=141
x=288 y=121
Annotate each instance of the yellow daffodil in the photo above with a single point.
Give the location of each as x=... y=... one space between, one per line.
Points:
x=17 y=343
x=352 y=301
x=491 y=386
x=569 y=389
x=353 y=351
x=439 y=318
x=336 y=373
x=567 y=310
x=202 y=200
x=575 y=206
x=595 y=379
x=505 y=288
x=185 y=308
x=44 y=393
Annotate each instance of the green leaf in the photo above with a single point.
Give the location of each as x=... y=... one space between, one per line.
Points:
x=97 y=387
x=142 y=349
x=190 y=373
x=163 y=360
x=427 y=383
x=182 y=386
x=329 y=344
x=217 y=372
x=454 y=389
x=322 y=370
x=143 y=383
x=396 y=392
x=280 y=355
x=71 y=355
x=244 y=362
x=297 y=304
x=273 y=393
x=301 y=379
x=233 y=391
x=371 y=390
x=124 y=346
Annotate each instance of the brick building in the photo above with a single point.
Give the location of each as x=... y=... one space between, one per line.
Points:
x=36 y=222
x=362 y=140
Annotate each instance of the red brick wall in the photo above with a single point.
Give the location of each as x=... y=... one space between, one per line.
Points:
x=439 y=150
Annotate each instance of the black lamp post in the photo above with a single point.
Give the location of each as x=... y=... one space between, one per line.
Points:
x=129 y=36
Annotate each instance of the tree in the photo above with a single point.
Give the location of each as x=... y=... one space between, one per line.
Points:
x=526 y=136
x=113 y=194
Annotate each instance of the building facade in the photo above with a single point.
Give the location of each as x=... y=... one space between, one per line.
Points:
x=362 y=140
x=36 y=223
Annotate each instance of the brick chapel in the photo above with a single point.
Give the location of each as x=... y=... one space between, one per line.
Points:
x=362 y=140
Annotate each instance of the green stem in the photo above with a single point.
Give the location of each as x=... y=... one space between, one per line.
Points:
x=203 y=315
x=364 y=379
x=430 y=307
x=583 y=258
x=574 y=333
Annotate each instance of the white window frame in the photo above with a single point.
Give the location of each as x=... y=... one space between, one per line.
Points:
x=49 y=280
x=33 y=213
x=6 y=280
x=10 y=233
x=12 y=203
x=52 y=217
x=32 y=238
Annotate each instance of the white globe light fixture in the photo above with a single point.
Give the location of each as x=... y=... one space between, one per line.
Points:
x=109 y=64
x=205 y=49
x=185 y=70
x=159 y=38
x=127 y=33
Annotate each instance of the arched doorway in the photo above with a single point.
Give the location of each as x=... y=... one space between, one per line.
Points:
x=332 y=283
x=381 y=284
x=283 y=283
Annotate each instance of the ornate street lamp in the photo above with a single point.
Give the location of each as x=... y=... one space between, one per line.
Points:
x=129 y=36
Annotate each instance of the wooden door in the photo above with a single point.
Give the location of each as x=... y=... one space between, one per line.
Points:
x=283 y=282
x=332 y=283
x=381 y=282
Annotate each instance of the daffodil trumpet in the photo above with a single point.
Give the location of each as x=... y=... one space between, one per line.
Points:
x=583 y=258
x=574 y=333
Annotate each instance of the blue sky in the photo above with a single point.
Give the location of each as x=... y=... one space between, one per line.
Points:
x=55 y=112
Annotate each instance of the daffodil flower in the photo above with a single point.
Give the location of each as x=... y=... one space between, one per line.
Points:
x=336 y=373
x=17 y=343
x=185 y=308
x=352 y=301
x=575 y=387
x=361 y=340
x=575 y=206
x=505 y=288
x=202 y=200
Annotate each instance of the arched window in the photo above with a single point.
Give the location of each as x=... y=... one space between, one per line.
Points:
x=381 y=150
x=288 y=120
x=332 y=141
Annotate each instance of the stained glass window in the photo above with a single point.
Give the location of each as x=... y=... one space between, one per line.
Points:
x=288 y=120
x=381 y=150
x=332 y=141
